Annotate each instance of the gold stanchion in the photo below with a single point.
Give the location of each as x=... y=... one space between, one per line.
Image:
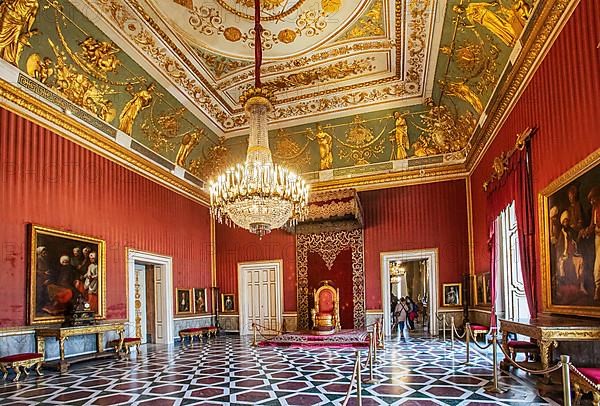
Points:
x=376 y=334
x=372 y=352
x=380 y=343
x=468 y=341
x=494 y=387
x=444 y=326
x=564 y=360
x=254 y=344
x=452 y=332
x=358 y=380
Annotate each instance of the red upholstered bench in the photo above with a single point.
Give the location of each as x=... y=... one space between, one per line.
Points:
x=525 y=347
x=128 y=342
x=20 y=362
x=586 y=380
x=478 y=329
x=197 y=332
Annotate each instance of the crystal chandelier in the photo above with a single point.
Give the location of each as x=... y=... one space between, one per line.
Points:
x=258 y=195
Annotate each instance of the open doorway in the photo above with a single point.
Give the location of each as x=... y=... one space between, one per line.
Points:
x=414 y=274
x=150 y=305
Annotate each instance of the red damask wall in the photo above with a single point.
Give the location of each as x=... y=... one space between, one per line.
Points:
x=48 y=180
x=411 y=218
x=562 y=100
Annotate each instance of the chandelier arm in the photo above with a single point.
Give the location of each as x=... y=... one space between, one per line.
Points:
x=257 y=43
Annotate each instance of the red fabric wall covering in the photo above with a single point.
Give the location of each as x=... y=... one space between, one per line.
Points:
x=562 y=100
x=235 y=245
x=48 y=180
x=416 y=217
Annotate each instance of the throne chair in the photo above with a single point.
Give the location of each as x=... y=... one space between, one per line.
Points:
x=326 y=313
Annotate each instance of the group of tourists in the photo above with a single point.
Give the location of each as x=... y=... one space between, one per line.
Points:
x=405 y=312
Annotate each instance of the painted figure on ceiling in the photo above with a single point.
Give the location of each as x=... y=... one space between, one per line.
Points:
x=400 y=138
x=462 y=91
x=16 y=27
x=139 y=101
x=494 y=17
x=325 y=146
x=188 y=143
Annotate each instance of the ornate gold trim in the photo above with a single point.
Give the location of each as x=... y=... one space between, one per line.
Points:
x=69 y=128
x=543 y=213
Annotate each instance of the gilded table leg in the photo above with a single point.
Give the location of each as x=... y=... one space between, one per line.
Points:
x=505 y=363
x=40 y=344
x=18 y=372
x=25 y=371
x=545 y=354
x=63 y=365
x=100 y=342
x=120 y=345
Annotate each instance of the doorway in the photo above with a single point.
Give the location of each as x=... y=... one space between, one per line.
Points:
x=150 y=308
x=511 y=302
x=415 y=274
x=260 y=295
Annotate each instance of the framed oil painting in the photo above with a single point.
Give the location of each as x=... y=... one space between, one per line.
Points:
x=64 y=267
x=479 y=289
x=184 y=301
x=452 y=294
x=487 y=287
x=570 y=240
x=227 y=303
x=200 y=304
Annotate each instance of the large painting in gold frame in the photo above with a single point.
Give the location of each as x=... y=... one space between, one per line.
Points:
x=63 y=266
x=569 y=210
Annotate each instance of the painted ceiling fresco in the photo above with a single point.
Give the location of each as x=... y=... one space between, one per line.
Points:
x=362 y=86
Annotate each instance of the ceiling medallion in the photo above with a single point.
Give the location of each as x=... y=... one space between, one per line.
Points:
x=258 y=195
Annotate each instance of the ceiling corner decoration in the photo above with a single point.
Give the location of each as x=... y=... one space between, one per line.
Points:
x=368 y=92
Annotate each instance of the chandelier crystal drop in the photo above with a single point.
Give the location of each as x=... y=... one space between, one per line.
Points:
x=258 y=195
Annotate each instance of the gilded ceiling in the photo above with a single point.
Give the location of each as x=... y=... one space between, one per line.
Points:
x=362 y=87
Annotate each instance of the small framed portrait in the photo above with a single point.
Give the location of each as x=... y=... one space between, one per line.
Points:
x=487 y=286
x=479 y=289
x=452 y=294
x=200 y=306
x=227 y=302
x=184 y=301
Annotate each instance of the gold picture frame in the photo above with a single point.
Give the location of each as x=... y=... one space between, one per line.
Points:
x=183 y=301
x=57 y=274
x=567 y=251
x=200 y=303
x=479 y=289
x=452 y=295
x=228 y=303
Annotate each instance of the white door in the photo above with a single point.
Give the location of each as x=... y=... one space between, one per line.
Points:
x=141 y=329
x=260 y=296
x=160 y=291
x=515 y=300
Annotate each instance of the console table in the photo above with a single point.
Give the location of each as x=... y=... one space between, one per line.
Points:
x=548 y=331
x=63 y=333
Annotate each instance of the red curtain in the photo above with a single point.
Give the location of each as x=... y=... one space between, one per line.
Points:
x=493 y=270
x=515 y=185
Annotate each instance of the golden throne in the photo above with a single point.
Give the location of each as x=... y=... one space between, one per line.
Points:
x=326 y=313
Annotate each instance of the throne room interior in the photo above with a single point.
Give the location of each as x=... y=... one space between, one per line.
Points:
x=445 y=151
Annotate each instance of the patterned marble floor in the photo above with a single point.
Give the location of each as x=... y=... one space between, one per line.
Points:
x=228 y=371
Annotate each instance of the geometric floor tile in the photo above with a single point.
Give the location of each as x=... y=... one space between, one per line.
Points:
x=227 y=370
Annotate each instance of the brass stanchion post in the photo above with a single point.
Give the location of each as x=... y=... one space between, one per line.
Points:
x=494 y=387
x=452 y=332
x=380 y=343
x=358 y=379
x=564 y=360
x=444 y=326
x=372 y=352
x=468 y=341
x=376 y=334
x=254 y=335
